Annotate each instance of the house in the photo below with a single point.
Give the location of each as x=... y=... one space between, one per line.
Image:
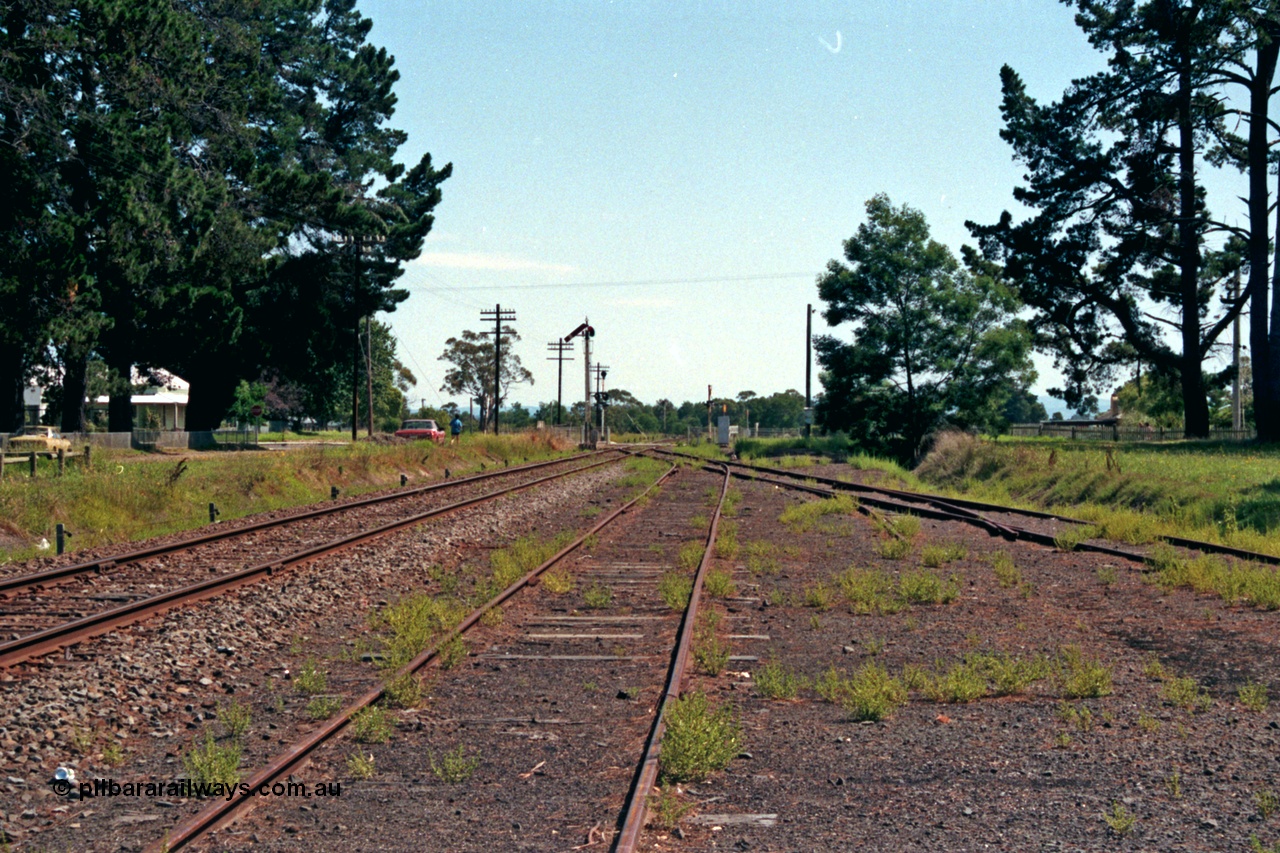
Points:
x=161 y=404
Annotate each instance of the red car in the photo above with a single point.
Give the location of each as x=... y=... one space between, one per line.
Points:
x=421 y=429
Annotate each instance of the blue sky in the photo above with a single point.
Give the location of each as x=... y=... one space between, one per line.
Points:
x=613 y=160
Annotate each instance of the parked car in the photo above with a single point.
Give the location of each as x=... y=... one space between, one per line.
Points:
x=423 y=428
x=43 y=439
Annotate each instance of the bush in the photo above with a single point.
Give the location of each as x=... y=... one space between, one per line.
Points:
x=699 y=740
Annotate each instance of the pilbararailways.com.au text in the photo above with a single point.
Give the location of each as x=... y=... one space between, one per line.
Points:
x=187 y=788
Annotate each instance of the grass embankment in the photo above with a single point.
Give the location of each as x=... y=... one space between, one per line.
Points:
x=1220 y=492
x=126 y=496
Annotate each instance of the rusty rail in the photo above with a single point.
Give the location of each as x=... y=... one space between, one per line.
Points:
x=964 y=509
x=224 y=811
x=633 y=817
x=59 y=573
x=59 y=636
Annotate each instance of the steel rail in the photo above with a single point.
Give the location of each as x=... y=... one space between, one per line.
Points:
x=633 y=817
x=42 y=642
x=19 y=583
x=225 y=810
x=958 y=506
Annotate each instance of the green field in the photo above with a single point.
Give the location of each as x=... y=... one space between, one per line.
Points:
x=126 y=495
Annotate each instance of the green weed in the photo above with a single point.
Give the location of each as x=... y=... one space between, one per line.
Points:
x=371 y=724
x=776 y=681
x=802 y=517
x=675 y=589
x=1081 y=678
x=455 y=766
x=210 y=764
x=310 y=679
x=718 y=583
x=1186 y=693
x=1254 y=696
x=699 y=740
x=360 y=766
x=597 y=596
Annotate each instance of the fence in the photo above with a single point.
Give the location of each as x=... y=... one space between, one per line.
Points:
x=1119 y=433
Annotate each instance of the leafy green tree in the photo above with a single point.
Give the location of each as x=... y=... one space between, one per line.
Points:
x=933 y=342
x=1117 y=238
x=472 y=374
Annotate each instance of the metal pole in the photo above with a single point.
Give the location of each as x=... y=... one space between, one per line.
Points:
x=586 y=378
x=808 y=365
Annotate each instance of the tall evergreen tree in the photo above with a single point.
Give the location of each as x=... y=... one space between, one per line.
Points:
x=1120 y=218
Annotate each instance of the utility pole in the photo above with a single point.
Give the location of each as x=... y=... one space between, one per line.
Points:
x=368 y=334
x=497 y=315
x=808 y=370
x=559 y=348
x=1237 y=411
x=355 y=382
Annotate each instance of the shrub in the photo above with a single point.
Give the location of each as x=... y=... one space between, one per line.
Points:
x=1007 y=574
x=1082 y=678
x=690 y=555
x=675 y=589
x=1186 y=693
x=775 y=681
x=455 y=766
x=698 y=740
x=934 y=556
x=323 y=707
x=718 y=583
x=866 y=590
x=597 y=596
x=371 y=724
x=404 y=691
x=235 y=718
x=360 y=766
x=924 y=587
x=894 y=549
x=310 y=679
x=1254 y=696
x=962 y=682
x=872 y=694
x=557 y=581
x=211 y=764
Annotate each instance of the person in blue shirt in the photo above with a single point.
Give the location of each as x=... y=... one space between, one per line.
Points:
x=455 y=428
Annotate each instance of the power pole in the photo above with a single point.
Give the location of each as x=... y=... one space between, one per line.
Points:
x=368 y=334
x=808 y=370
x=1237 y=411
x=559 y=348
x=497 y=315
x=355 y=383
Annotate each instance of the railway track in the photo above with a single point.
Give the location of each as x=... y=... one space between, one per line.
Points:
x=549 y=648
x=50 y=610
x=996 y=519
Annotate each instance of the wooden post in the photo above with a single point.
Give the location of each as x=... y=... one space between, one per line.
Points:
x=62 y=461
x=32 y=460
x=88 y=454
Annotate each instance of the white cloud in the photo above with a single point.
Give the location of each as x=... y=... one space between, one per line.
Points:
x=484 y=261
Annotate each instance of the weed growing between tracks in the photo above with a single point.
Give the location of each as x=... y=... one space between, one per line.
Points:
x=802 y=517
x=699 y=739
x=1249 y=582
x=455 y=766
x=125 y=495
x=209 y=763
